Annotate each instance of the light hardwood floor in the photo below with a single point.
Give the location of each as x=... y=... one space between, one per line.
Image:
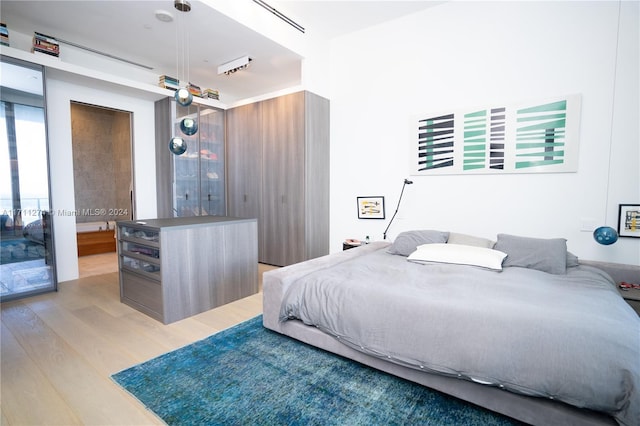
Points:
x=59 y=350
x=97 y=264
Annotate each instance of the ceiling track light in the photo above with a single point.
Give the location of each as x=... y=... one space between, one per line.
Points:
x=234 y=66
x=237 y=69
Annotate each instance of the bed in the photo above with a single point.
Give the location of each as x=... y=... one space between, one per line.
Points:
x=517 y=325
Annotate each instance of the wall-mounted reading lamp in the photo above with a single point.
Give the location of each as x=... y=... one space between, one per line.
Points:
x=406 y=182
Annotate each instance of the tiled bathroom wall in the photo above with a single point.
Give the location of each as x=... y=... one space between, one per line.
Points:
x=101 y=141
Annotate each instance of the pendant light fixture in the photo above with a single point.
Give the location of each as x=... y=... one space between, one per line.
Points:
x=177 y=146
x=182 y=5
x=606 y=235
x=188 y=125
x=183 y=96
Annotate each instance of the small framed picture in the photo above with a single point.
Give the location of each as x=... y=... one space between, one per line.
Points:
x=629 y=220
x=370 y=207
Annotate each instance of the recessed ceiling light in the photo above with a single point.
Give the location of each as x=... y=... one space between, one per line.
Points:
x=164 y=16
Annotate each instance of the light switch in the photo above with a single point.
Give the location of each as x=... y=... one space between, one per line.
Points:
x=588 y=224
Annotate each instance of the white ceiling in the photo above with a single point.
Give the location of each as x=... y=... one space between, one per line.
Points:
x=130 y=30
x=335 y=18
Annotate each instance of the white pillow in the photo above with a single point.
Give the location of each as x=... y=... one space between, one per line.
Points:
x=459 y=255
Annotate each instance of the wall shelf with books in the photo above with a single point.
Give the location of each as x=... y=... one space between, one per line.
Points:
x=4 y=35
x=149 y=90
x=46 y=45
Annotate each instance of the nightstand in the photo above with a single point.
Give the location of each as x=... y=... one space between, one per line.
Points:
x=346 y=245
x=632 y=297
x=620 y=272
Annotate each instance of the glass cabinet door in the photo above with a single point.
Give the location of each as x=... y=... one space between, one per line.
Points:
x=199 y=187
x=212 y=161
x=185 y=167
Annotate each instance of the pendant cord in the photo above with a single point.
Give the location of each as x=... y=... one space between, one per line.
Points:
x=188 y=55
x=178 y=50
x=613 y=107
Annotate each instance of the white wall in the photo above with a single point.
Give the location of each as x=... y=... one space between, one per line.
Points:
x=61 y=89
x=309 y=45
x=465 y=54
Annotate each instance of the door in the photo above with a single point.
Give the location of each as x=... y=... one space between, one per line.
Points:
x=244 y=148
x=283 y=179
x=27 y=261
x=211 y=122
x=186 y=167
x=199 y=173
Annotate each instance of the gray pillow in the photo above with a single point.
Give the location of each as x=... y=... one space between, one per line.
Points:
x=407 y=242
x=469 y=240
x=547 y=255
x=572 y=260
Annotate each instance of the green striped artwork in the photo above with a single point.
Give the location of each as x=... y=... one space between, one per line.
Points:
x=475 y=140
x=543 y=129
x=525 y=137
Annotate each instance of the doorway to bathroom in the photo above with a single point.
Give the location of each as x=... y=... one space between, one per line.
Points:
x=103 y=182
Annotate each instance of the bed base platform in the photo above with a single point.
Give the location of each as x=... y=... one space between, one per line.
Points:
x=535 y=411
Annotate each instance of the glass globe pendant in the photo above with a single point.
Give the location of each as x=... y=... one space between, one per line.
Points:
x=183 y=96
x=189 y=126
x=178 y=146
x=605 y=235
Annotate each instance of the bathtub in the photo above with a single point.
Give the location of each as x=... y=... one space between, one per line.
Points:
x=95 y=226
x=96 y=237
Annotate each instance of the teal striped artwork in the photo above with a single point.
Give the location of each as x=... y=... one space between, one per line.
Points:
x=541 y=135
x=525 y=137
x=475 y=140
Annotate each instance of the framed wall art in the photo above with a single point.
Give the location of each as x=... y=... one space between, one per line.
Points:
x=527 y=137
x=370 y=207
x=629 y=220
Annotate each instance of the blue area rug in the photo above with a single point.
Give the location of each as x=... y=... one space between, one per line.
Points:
x=248 y=375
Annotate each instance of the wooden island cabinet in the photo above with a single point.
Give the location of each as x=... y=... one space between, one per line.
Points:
x=174 y=268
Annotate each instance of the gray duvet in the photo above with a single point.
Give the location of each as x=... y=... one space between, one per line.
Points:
x=566 y=337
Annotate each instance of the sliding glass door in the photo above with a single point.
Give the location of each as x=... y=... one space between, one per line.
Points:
x=26 y=239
